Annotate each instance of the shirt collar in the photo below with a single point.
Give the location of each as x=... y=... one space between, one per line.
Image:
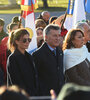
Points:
x=51 y=47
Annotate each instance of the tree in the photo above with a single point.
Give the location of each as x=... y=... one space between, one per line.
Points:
x=45 y=4
x=12 y=2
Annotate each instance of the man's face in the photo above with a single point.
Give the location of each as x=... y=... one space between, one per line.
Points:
x=46 y=16
x=53 y=38
x=87 y=32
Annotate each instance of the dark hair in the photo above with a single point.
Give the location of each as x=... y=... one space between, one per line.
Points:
x=11 y=25
x=2 y=22
x=16 y=35
x=39 y=28
x=13 y=93
x=40 y=23
x=52 y=19
x=72 y=91
x=15 y=19
x=69 y=37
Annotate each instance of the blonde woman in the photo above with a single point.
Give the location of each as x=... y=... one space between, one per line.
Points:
x=20 y=66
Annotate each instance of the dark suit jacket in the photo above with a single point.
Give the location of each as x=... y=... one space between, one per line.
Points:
x=88 y=46
x=50 y=69
x=22 y=71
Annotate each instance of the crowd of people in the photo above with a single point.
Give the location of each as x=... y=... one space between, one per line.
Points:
x=62 y=56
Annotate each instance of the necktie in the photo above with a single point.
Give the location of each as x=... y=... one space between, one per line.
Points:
x=54 y=51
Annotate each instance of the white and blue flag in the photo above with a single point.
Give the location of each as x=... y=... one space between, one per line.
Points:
x=76 y=13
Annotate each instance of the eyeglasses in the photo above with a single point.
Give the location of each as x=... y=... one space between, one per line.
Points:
x=25 y=40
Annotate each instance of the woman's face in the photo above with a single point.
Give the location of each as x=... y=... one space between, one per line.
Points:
x=23 y=43
x=39 y=32
x=78 y=40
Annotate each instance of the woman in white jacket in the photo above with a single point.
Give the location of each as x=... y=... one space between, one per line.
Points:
x=76 y=58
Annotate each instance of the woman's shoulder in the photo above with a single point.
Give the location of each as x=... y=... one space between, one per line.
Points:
x=11 y=56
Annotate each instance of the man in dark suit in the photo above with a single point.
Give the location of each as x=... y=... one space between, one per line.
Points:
x=48 y=63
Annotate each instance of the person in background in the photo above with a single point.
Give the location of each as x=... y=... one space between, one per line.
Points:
x=76 y=58
x=4 y=51
x=88 y=22
x=13 y=93
x=49 y=61
x=21 y=69
x=2 y=47
x=59 y=22
x=40 y=23
x=52 y=19
x=72 y=91
x=40 y=40
x=11 y=27
x=1 y=76
x=45 y=15
x=16 y=20
x=2 y=33
x=86 y=29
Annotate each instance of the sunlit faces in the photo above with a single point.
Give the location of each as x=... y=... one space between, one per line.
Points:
x=15 y=27
x=39 y=32
x=53 y=38
x=87 y=32
x=23 y=43
x=46 y=16
x=78 y=40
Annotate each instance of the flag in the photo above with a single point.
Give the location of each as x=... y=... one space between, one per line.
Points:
x=79 y=12
x=76 y=13
x=69 y=17
x=28 y=7
x=87 y=5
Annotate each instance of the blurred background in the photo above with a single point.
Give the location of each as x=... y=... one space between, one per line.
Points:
x=11 y=8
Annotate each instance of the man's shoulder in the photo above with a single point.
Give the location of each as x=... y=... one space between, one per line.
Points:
x=40 y=50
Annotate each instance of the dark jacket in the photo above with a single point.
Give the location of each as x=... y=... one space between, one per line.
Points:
x=22 y=71
x=88 y=46
x=1 y=77
x=50 y=69
x=79 y=74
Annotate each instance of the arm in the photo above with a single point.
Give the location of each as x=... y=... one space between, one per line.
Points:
x=74 y=75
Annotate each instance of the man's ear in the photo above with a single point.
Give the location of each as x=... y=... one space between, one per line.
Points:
x=46 y=37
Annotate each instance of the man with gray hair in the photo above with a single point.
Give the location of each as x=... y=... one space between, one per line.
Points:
x=86 y=29
x=45 y=15
x=49 y=61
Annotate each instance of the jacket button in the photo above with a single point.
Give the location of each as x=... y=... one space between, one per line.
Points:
x=58 y=68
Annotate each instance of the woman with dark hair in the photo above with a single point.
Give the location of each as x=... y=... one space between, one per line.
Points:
x=20 y=64
x=76 y=58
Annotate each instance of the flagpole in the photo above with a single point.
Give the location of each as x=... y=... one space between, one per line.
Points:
x=64 y=19
x=20 y=19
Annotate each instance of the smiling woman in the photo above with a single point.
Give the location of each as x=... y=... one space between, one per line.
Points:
x=20 y=64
